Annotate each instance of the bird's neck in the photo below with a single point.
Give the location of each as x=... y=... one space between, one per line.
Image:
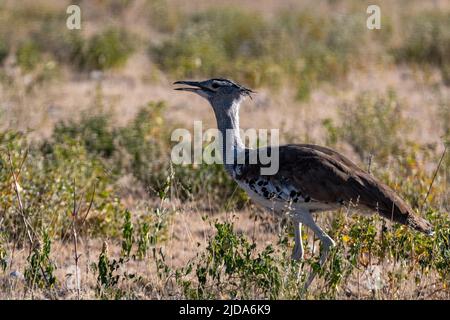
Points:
x=228 y=125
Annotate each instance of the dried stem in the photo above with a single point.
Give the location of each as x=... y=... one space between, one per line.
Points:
x=19 y=198
x=76 y=222
x=75 y=237
x=434 y=177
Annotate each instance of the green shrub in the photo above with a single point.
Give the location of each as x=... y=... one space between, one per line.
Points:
x=28 y=55
x=4 y=50
x=66 y=46
x=259 y=51
x=49 y=176
x=427 y=40
x=231 y=267
x=112 y=276
x=127 y=235
x=108 y=49
x=95 y=132
x=217 y=41
x=442 y=244
x=108 y=277
x=372 y=125
x=143 y=240
x=145 y=145
x=162 y=16
x=142 y=148
x=40 y=268
x=211 y=183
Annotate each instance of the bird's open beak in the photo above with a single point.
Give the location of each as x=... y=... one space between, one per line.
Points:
x=194 y=86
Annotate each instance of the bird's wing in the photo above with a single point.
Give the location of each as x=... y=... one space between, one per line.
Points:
x=328 y=177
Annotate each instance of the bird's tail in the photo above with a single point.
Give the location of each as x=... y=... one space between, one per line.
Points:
x=402 y=213
x=394 y=208
x=419 y=224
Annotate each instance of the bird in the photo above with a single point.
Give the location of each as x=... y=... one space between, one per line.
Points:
x=310 y=178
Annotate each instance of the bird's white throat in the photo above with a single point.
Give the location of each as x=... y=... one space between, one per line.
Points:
x=228 y=125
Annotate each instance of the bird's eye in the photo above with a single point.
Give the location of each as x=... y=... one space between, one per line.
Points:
x=214 y=85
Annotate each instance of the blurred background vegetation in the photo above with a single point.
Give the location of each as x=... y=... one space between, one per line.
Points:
x=86 y=117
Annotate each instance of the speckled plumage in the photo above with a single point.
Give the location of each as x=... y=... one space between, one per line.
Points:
x=318 y=178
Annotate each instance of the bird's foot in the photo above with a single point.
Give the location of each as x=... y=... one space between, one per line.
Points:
x=297 y=253
x=328 y=244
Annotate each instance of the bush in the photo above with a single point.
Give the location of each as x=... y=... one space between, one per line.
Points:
x=94 y=132
x=427 y=40
x=226 y=42
x=40 y=269
x=304 y=46
x=162 y=16
x=108 y=49
x=372 y=125
x=145 y=145
x=209 y=42
x=4 y=50
x=210 y=183
x=142 y=148
x=229 y=268
x=49 y=177
x=66 y=46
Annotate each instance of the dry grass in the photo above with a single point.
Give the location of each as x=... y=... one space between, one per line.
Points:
x=39 y=94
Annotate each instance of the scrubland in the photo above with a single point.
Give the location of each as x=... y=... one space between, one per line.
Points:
x=91 y=206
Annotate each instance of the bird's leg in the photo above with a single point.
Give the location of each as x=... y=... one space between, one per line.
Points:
x=327 y=243
x=297 y=253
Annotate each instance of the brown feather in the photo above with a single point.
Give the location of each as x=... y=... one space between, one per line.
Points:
x=329 y=177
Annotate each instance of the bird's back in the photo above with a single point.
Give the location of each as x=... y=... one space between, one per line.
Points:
x=322 y=178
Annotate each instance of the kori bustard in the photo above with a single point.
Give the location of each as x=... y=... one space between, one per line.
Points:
x=310 y=178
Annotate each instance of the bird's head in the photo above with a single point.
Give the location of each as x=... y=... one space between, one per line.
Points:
x=221 y=92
